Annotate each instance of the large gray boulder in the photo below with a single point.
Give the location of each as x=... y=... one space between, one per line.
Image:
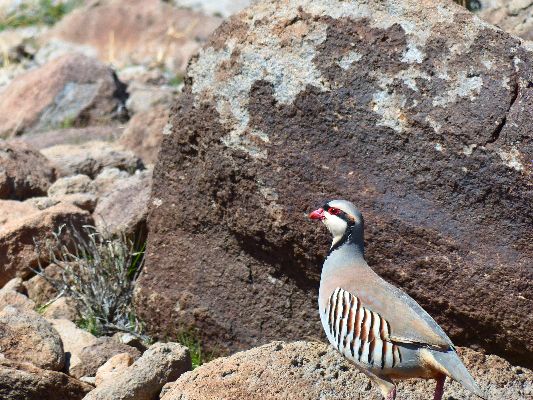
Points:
x=419 y=113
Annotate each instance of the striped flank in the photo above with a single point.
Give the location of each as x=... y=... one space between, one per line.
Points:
x=359 y=333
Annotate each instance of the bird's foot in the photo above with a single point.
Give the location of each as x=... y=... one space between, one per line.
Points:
x=439 y=389
x=391 y=395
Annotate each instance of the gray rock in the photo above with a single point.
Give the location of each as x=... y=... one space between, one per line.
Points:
x=72 y=89
x=91 y=158
x=71 y=184
x=125 y=207
x=26 y=336
x=161 y=363
x=106 y=180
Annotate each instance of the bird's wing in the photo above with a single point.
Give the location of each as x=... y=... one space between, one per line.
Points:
x=408 y=322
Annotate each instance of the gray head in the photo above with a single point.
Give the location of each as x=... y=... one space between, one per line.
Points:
x=344 y=221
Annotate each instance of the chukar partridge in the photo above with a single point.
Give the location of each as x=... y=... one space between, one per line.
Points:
x=372 y=323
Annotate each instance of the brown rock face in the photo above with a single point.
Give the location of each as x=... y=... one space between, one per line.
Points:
x=24 y=172
x=419 y=114
x=18 y=236
x=72 y=89
x=309 y=371
x=147 y=32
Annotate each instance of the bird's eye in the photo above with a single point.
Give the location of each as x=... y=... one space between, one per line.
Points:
x=334 y=211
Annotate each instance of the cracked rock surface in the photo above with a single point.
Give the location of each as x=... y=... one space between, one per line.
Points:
x=311 y=370
x=418 y=113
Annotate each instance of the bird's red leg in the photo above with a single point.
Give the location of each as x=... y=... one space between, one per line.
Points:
x=391 y=395
x=439 y=390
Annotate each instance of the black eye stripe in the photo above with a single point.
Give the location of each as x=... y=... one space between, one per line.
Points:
x=342 y=215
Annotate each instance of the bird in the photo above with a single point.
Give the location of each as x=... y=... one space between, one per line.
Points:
x=374 y=324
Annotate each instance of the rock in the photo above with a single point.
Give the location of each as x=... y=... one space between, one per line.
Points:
x=39 y=289
x=15 y=299
x=72 y=89
x=125 y=208
x=144 y=133
x=148 y=32
x=74 y=341
x=144 y=98
x=85 y=201
x=63 y=308
x=419 y=115
x=41 y=203
x=23 y=381
x=224 y=8
x=78 y=190
x=106 y=180
x=24 y=172
x=161 y=363
x=26 y=336
x=311 y=370
x=91 y=380
x=515 y=16
x=17 y=238
x=72 y=184
x=42 y=140
x=12 y=211
x=90 y=158
x=113 y=367
x=15 y=284
x=95 y=355
x=130 y=340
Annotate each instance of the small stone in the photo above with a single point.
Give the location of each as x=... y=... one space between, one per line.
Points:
x=91 y=157
x=15 y=299
x=39 y=289
x=96 y=354
x=24 y=172
x=130 y=340
x=91 y=380
x=15 y=284
x=71 y=184
x=114 y=365
x=63 y=308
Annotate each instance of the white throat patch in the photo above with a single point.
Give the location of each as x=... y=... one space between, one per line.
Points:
x=337 y=226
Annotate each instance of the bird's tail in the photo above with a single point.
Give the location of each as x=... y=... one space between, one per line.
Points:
x=451 y=365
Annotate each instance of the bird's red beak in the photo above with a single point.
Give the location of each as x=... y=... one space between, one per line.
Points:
x=317 y=214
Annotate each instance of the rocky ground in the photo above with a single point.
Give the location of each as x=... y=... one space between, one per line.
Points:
x=83 y=115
